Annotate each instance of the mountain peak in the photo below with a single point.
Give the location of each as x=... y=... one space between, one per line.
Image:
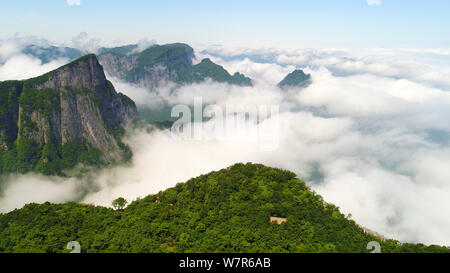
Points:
x=84 y=72
x=86 y=58
x=296 y=78
x=87 y=62
x=206 y=60
x=208 y=69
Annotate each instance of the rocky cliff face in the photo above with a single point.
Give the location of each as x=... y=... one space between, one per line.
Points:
x=117 y=65
x=151 y=68
x=71 y=108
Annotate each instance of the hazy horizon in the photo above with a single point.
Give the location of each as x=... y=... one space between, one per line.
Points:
x=287 y=23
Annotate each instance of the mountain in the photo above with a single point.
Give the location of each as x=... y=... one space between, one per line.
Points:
x=67 y=116
x=153 y=67
x=296 y=78
x=207 y=69
x=224 y=211
x=159 y=64
x=47 y=54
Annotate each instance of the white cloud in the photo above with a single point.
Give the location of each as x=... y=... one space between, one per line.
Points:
x=29 y=188
x=138 y=94
x=426 y=66
x=143 y=44
x=14 y=65
x=13 y=68
x=73 y=2
x=82 y=41
x=14 y=45
x=8 y=49
x=370 y=95
x=373 y=2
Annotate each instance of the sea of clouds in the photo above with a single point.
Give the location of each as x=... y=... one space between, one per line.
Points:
x=370 y=134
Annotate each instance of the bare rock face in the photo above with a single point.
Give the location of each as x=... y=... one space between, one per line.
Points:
x=123 y=67
x=73 y=104
x=116 y=65
x=89 y=106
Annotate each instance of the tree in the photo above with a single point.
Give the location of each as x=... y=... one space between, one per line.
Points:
x=119 y=203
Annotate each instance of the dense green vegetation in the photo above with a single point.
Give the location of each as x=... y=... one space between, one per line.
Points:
x=119 y=203
x=296 y=78
x=9 y=104
x=223 y=211
x=120 y=50
x=174 y=56
x=207 y=69
x=27 y=155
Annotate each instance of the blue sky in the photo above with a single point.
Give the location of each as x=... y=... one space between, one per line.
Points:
x=282 y=23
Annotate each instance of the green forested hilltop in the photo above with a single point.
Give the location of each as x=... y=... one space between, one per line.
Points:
x=223 y=211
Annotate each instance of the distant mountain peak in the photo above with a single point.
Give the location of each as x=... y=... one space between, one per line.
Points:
x=206 y=60
x=296 y=78
x=208 y=69
x=159 y=64
x=49 y=53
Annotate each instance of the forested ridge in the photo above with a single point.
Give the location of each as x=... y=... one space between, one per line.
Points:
x=223 y=211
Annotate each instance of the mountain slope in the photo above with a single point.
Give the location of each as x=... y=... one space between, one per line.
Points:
x=159 y=64
x=69 y=115
x=207 y=69
x=296 y=78
x=223 y=211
